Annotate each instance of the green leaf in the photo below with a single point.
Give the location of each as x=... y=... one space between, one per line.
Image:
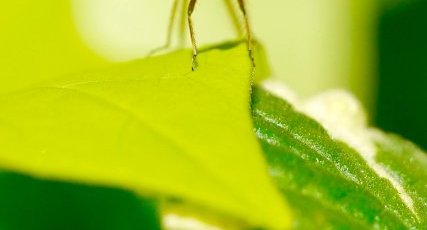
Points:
x=331 y=186
x=408 y=164
x=152 y=126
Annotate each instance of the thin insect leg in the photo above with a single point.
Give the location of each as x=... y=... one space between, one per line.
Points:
x=248 y=31
x=170 y=29
x=192 y=35
x=183 y=24
x=233 y=16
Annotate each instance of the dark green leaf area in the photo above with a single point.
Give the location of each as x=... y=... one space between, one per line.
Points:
x=328 y=184
x=32 y=204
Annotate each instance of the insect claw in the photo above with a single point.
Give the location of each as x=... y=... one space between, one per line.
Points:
x=251 y=56
x=194 y=62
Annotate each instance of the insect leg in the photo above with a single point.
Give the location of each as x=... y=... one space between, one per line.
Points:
x=192 y=35
x=170 y=30
x=248 y=31
x=183 y=24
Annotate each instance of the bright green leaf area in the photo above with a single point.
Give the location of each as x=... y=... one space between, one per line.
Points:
x=151 y=126
x=328 y=184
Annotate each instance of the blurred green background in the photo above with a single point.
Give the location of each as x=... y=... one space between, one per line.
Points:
x=401 y=105
x=28 y=203
x=376 y=49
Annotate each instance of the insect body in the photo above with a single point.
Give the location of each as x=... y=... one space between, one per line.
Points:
x=190 y=9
